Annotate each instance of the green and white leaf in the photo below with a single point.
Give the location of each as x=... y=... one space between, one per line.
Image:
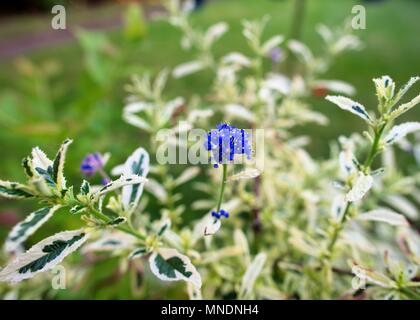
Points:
x=360 y=187
x=136 y=165
x=398 y=132
x=156 y=189
x=242 y=242
x=188 y=68
x=24 y=229
x=117 y=221
x=384 y=215
x=78 y=208
x=385 y=87
x=43 y=256
x=170 y=265
x=249 y=173
x=14 y=190
x=336 y=86
x=301 y=50
x=187 y=175
x=211 y=225
x=130 y=116
x=111 y=241
x=271 y=43
x=238 y=111
x=85 y=188
x=405 y=107
x=215 y=32
x=169 y=109
x=137 y=253
x=119 y=183
x=27 y=167
x=347 y=162
x=372 y=276
x=58 y=165
x=163 y=226
x=251 y=275
x=237 y=59
x=350 y=105
x=402 y=205
x=40 y=160
x=405 y=89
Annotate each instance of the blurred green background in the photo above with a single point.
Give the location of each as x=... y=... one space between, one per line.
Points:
x=53 y=86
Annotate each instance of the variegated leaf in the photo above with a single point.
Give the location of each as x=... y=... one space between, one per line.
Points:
x=240 y=112
x=301 y=50
x=187 y=175
x=85 y=188
x=14 y=190
x=156 y=189
x=249 y=173
x=251 y=274
x=43 y=256
x=137 y=253
x=58 y=165
x=271 y=44
x=215 y=32
x=398 y=132
x=187 y=69
x=384 y=215
x=111 y=241
x=405 y=88
x=360 y=187
x=237 y=59
x=24 y=229
x=119 y=183
x=170 y=265
x=336 y=86
x=405 y=107
x=164 y=226
x=350 y=105
x=372 y=276
x=385 y=87
x=211 y=226
x=136 y=165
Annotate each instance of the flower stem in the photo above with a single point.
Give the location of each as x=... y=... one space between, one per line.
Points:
x=222 y=188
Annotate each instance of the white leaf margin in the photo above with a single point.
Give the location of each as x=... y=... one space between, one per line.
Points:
x=167 y=253
x=10 y=272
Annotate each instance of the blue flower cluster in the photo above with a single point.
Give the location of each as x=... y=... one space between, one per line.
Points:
x=91 y=163
x=225 y=141
x=218 y=215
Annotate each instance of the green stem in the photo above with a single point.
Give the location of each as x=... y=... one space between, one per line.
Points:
x=222 y=188
x=337 y=230
x=375 y=147
x=99 y=215
x=367 y=167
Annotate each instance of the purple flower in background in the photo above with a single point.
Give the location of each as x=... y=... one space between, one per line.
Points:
x=92 y=163
x=105 y=181
x=226 y=141
x=275 y=55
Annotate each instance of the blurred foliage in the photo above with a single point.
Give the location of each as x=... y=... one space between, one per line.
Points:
x=77 y=91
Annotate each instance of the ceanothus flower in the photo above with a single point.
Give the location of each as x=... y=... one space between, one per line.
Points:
x=225 y=141
x=221 y=213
